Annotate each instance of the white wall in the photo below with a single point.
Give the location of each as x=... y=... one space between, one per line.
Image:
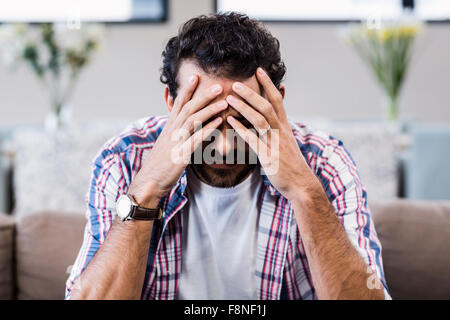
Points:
x=324 y=77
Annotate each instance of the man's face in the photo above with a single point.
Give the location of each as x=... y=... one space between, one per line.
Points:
x=220 y=174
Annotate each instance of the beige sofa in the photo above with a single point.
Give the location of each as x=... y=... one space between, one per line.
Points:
x=37 y=250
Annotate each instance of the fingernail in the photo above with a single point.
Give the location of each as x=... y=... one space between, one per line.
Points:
x=222 y=104
x=261 y=71
x=216 y=89
x=192 y=79
x=237 y=86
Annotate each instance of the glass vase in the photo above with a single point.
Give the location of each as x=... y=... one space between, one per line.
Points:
x=58 y=118
x=391 y=109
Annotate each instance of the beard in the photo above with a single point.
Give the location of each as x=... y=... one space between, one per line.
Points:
x=217 y=171
x=223 y=178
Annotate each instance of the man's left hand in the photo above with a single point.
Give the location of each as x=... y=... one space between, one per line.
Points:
x=338 y=270
x=277 y=148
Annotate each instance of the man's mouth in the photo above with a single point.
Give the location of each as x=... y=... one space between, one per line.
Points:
x=222 y=166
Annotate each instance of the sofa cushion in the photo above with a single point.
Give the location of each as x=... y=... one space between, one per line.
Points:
x=415 y=236
x=378 y=170
x=64 y=165
x=6 y=257
x=47 y=245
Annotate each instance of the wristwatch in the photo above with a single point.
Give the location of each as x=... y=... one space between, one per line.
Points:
x=128 y=209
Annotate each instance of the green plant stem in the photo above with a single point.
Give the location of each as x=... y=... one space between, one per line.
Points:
x=393 y=109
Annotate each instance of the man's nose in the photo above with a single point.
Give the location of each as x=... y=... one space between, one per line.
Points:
x=224 y=145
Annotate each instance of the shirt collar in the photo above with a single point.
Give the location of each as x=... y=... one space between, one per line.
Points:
x=273 y=192
x=182 y=184
x=177 y=197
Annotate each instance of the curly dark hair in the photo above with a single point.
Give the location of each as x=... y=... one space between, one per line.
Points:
x=226 y=44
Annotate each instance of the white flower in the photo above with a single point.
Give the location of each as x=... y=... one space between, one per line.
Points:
x=94 y=32
x=7 y=32
x=68 y=39
x=43 y=54
x=76 y=39
x=12 y=42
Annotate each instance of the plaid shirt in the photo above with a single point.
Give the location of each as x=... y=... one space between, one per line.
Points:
x=282 y=269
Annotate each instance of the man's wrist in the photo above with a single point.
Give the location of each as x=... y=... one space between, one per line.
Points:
x=148 y=202
x=309 y=195
x=149 y=199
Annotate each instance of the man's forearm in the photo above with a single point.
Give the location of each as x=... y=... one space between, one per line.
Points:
x=337 y=269
x=117 y=270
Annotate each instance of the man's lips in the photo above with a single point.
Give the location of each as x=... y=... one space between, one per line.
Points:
x=222 y=166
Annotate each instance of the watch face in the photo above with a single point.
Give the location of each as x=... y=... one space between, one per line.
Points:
x=123 y=206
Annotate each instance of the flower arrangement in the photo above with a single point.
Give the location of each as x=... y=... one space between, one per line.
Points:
x=56 y=55
x=387 y=49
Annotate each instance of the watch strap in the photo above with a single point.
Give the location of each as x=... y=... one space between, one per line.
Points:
x=140 y=213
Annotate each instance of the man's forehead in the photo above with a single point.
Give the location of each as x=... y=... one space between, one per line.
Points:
x=189 y=68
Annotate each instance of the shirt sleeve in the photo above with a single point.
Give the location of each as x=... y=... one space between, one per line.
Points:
x=107 y=184
x=349 y=198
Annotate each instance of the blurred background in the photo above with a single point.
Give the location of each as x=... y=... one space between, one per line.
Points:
x=373 y=73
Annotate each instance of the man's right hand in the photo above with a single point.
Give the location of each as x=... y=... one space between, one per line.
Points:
x=160 y=171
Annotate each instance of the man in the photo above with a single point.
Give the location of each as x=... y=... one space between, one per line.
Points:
x=293 y=225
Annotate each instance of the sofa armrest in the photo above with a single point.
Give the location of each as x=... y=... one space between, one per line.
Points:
x=47 y=243
x=7 y=285
x=415 y=237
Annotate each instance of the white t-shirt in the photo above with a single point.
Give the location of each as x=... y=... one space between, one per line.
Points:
x=219 y=240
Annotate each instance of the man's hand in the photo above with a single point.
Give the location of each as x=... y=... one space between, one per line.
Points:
x=160 y=170
x=108 y=275
x=277 y=150
x=338 y=271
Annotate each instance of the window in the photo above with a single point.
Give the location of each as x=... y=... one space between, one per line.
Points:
x=432 y=10
x=336 y=10
x=83 y=10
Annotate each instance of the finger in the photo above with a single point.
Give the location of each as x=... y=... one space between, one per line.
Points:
x=254 y=117
x=257 y=102
x=249 y=136
x=201 y=116
x=273 y=94
x=185 y=95
x=200 y=101
x=198 y=137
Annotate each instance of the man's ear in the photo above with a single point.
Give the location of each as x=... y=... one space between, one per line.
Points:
x=168 y=99
x=282 y=90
